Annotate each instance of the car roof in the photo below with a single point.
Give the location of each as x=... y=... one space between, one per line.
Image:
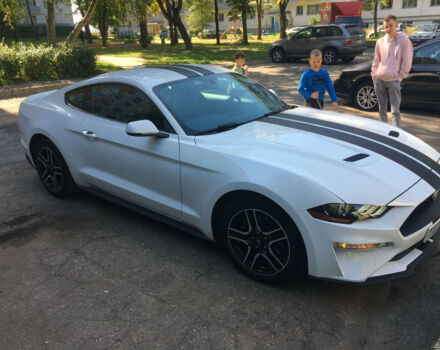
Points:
x=154 y=75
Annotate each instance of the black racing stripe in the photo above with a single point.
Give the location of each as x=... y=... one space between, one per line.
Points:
x=198 y=69
x=423 y=158
x=385 y=151
x=184 y=71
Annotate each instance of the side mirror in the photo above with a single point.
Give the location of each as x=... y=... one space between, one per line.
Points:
x=143 y=128
x=273 y=91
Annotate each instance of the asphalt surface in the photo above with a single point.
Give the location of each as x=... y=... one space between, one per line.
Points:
x=84 y=273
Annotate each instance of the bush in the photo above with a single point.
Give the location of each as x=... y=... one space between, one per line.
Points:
x=43 y=62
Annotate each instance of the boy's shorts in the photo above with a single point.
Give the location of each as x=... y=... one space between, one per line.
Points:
x=314 y=103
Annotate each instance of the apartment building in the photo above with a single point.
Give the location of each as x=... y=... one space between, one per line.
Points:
x=63 y=13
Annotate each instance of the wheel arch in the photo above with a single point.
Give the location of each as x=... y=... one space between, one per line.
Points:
x=36 y=138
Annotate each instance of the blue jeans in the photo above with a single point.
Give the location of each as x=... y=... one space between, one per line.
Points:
x=391 y=89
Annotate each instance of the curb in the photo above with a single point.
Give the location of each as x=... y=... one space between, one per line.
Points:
x=17 y=91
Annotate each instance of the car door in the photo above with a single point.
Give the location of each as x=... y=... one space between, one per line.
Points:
x=299 y=44
x=423 y=81
x=318 y=38
x=142 y=170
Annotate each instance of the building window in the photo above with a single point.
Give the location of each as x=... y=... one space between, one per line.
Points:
x=34 y=19
x=34 y=3
x=221 y=17
x=314 y=9
x=435 y=2
x=386 y=5
x=252 y=16
x=409 y=3
x=299 y=10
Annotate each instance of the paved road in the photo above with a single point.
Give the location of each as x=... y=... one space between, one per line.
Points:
x=86 y=274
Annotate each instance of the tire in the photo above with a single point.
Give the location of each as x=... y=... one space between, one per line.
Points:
x=274 y=257
x=364 y=97
x=347 y=59
x=278 y=55
x=329 y=56
x=53 y=170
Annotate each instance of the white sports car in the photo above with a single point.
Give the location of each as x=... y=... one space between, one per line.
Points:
x=286 y=190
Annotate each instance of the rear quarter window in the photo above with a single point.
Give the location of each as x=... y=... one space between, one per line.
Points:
x=80 y=98
x=354 y=30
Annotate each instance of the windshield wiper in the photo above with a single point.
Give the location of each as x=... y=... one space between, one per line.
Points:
x=219 y=128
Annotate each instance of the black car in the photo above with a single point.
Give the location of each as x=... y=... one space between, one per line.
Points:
x=420 y=88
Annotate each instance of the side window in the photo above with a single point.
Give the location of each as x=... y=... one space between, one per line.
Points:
x=124 y=103
x=80 y=98
x=335 y=31
x=319 y=32
x=303 y=34
x=428 y=55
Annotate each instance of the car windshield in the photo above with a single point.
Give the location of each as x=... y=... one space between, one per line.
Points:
x=427 y=28
x=212 y=101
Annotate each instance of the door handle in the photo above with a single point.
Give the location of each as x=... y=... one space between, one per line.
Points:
x=89 y=134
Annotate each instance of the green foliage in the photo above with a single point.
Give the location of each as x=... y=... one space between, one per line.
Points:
x=11 y=11
x=314 y=21
x=29 y=62
x=201 y=14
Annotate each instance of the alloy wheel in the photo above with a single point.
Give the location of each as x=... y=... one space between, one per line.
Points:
x=366 y=97
x=258 y=242
x=50 y=169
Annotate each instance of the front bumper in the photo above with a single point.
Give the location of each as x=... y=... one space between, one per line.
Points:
x=342 y=89
x=370 y=265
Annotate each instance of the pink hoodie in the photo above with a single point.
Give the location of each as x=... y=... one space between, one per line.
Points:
x=392 y=58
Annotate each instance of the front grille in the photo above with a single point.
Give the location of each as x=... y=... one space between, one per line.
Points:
x=426 y=212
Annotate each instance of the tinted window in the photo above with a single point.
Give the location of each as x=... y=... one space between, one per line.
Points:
x=428 y=55
x=80 y=98
x=320 y=32
x=303 y=34
x=354 y=30
x=124 y=103
x=204 y=103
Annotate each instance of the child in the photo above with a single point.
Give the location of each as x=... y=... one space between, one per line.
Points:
x=315 y=81
x=240 y=65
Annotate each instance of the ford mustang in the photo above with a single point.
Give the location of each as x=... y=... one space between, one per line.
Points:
x=287 y=190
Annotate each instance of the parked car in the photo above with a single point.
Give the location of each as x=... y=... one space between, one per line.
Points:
x=345 y=41
x=381 y=30
x=286 y=190
x=424 y=33
x=421 y=88
x=293 y=30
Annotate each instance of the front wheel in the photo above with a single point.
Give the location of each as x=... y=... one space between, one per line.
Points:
x=364 y=97
x=278 y=55
x=262 y=240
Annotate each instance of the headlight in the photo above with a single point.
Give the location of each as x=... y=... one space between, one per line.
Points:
x=347 y=213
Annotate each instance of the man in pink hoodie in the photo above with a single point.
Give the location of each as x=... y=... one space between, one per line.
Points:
x=392 y=63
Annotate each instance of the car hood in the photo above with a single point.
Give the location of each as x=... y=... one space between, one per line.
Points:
x=361 y=67
x=375 y=179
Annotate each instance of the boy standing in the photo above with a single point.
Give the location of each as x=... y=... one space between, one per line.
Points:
x=315 y=81
x=240 y=65
x=392 y=62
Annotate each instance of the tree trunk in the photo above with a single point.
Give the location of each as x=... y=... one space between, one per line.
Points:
x=103 y=27
x=217 y=30
x=144 y=30
x=283 y=19
x=84 y=22
x=244 y=19
x=375 y=17
x=181 y=27
x=259 y=15
x=50 y=23
x=31 y=20
x=88 y=34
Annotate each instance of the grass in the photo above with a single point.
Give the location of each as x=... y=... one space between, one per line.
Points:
x=204 y=51
x=102 y=67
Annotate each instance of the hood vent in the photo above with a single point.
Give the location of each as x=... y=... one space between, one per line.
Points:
x=356 y=157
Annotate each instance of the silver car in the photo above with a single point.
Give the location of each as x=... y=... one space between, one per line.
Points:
x=424 y=33
x=345 y=41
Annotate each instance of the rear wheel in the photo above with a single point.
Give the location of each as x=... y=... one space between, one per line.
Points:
x=329 y=56
x=364 y=97
x=262 y=240
x=278 y=55
x=52 y=169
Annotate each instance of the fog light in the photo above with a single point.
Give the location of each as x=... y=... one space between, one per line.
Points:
x=361 y=246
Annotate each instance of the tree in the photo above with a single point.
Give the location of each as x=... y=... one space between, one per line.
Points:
x=11 y=11
x=217 y=29
x=259 y=7
x=372 y=5
x=282 y=5
x=108 y=13
x=31 y=20
x=241 y=8
x=50 y=22
x=86 y=8
x=141 y=8
x=201 y=14
x=171 y=10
